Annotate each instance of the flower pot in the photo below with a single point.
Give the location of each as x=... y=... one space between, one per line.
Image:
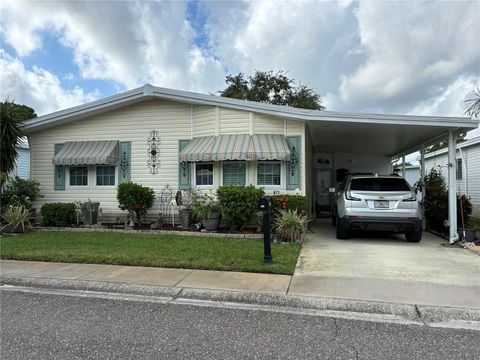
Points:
x=90 y=213
x=185 y=218
x=212 y=223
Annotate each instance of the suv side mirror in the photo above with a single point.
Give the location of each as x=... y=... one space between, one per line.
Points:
x=332 y=190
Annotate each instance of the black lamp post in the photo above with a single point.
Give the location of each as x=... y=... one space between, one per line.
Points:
x=264 y=205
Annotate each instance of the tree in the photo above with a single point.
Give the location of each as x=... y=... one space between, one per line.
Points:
x=267 y=87
x=473 y=104
x=11 y=117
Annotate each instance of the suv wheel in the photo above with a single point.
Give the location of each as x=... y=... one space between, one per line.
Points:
x=341 y=232
x=413 y=236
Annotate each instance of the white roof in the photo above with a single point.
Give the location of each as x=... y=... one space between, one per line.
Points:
x=148 y=92
x=330 y=131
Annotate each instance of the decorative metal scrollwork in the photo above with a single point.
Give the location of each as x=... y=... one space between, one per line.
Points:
x=153 y=151
x=184 y=168
x=124 y=164
x=60 y=171
x=293 y=160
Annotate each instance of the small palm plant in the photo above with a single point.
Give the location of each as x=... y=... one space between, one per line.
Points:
x=290 y=225
x=17 y=219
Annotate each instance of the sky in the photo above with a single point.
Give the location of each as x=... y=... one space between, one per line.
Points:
x=398 y=57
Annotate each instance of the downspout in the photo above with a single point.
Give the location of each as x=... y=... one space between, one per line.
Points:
x=452 y=188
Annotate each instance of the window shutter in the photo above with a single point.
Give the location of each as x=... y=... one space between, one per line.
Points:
x=293 y=166
x=125 y=161
x=184 y=169
x=58 y=171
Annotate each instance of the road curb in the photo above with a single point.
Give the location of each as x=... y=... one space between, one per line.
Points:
x=424 y=313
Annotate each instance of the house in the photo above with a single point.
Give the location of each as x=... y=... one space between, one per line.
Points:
x=468 y=169
x=22 y=165
x=157 y=136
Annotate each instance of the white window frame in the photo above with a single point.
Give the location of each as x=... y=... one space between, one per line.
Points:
x=194 y=180
x=234 y=162
x=282 y=175
x=105 y=186
x=89 y=180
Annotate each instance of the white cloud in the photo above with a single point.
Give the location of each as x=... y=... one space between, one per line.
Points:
x=37 y=88
x=396 y=56
x=412 y=49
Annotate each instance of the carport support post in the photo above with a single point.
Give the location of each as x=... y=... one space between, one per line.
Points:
x=452 y=188
x=403 y=165
x=422 y=182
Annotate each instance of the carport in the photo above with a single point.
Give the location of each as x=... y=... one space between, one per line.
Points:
x=362 y=142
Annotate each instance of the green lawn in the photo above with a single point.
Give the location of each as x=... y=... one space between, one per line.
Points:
x=174 y=251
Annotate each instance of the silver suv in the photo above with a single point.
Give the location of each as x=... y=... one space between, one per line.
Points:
x=379 y=203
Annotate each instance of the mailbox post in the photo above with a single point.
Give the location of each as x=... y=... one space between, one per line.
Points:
x=264 y=205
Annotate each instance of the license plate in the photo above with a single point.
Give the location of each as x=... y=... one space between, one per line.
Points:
x=381 y=204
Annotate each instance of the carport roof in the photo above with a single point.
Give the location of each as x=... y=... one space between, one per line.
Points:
x=332 y=131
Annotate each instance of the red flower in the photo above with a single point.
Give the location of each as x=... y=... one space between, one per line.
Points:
x=138 y=206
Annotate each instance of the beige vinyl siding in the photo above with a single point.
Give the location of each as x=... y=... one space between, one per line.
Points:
x=203 y=120
x=234 y=121
x=133 y=123
x=264 y=124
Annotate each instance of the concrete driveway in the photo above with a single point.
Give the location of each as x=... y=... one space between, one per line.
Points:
x=384 y=267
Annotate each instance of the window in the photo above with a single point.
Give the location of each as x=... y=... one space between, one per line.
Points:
x=105 y=175
x=268 y=173
x=234 y=173
x=459 y=169
x=203 y=174
x=379 y=184
x=78 y=176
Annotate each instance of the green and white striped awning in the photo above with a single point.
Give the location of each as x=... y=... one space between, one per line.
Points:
x=236 y=147
x=102 y=152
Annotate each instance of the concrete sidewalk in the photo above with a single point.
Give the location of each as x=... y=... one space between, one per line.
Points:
x=178 y=278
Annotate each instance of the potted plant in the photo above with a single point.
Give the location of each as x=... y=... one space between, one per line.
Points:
x=186 y=203
x=90 y=212
x=290 y=225
x=207 y=210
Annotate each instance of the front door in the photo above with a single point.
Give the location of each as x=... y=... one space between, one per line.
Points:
x=324 y=183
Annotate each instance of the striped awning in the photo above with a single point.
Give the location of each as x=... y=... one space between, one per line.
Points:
x=103 y=152
x=236 y=147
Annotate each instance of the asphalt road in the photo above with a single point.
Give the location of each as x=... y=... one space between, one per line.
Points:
x=48 y=326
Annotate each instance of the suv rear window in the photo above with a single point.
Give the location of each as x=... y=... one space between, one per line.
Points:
x=379 y=184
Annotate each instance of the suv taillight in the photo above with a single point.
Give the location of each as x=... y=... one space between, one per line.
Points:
x=348 y=196
x=413 y=197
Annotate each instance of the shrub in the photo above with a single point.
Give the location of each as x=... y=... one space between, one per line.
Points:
x=17 y=219
x=58 y=214
x=239 y=204
x=289 y=202
x=435 y=203
x=290 y=225
x=135 y=198
x=20 y=192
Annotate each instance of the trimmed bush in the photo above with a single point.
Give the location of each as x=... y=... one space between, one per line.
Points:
x=20 y=193
x=436 y=202
x=58 y=214
x=135 y=198
x=289 y=202
x=239 y=204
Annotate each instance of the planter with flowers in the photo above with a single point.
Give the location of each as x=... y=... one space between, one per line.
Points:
x=206 y=209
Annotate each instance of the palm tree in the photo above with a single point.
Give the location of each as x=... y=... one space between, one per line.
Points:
x=473 y=104
x=11 y=117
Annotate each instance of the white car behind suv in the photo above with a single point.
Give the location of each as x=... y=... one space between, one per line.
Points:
x=377 y=203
